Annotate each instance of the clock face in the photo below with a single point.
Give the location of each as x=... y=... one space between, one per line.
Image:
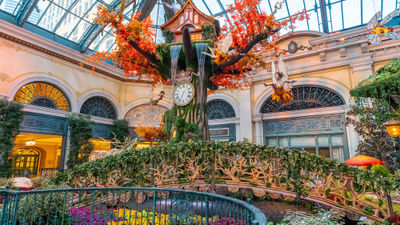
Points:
x=183 y=94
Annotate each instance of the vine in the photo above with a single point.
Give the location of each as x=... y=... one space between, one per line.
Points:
x=80 y=144
x=11 y=116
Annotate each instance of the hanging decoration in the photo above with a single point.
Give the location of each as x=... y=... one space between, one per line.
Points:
x=376 y=29
x=280 y=83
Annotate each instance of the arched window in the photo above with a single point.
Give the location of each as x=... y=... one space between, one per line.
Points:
x=305 y=97
x=220 y=109
x=100 y=107
x=43 y=94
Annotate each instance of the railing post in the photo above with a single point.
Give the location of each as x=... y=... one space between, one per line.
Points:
x=389 y=204
x=207 y=208
x=248 y=213
x=92 y=206
x=16 y=206
x=154 y=204
x=5 y=206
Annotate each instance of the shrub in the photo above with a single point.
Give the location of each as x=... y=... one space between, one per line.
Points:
x=80 y=144
x=38 y=208
x=40 y=182
x=11 y=116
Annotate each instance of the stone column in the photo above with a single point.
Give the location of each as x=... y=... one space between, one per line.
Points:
x=360 y=70
x=259 y=135
x=246 y=129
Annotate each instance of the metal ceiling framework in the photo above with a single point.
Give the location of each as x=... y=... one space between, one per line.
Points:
x=93 y=36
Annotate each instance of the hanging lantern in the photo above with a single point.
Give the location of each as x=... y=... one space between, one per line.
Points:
x=393 y=128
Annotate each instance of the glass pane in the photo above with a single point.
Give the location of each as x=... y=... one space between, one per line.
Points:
x=284 y=142
x=301 y=141
x=337 y=140
x=67 y=25
x=311 y=150
x=324 y=152
x=272 y=142
x=79 y=30
x=38 y=12
x=107 y=43
x=11 y=6
x=337 y=153
x=352 y=13
x=323 y=140
x=51 y=17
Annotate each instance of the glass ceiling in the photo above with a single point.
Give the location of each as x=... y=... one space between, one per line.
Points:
x=70 y=21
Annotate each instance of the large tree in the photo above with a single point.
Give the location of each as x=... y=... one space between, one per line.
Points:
x=254 y=35
x=375 y=141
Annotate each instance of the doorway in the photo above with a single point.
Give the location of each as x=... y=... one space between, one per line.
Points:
x=36 y=154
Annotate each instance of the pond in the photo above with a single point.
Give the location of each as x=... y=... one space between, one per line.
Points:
x=275 y=211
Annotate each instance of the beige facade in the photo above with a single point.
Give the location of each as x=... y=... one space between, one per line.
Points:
x=324 y=62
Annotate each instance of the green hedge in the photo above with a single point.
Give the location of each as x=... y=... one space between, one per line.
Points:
x=385 y=81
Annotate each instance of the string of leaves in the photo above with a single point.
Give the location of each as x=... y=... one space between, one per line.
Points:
x=11 y=116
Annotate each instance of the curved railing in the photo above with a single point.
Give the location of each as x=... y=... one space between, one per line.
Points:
x=124 y=205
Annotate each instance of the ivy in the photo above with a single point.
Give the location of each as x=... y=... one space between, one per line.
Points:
x=11 y=116
x=80 y=144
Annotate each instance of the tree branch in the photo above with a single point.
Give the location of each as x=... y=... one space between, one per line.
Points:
x=235 y=71
x=154 y=61
x=243 y=52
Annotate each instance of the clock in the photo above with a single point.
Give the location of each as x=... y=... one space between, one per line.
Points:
x=183 y=93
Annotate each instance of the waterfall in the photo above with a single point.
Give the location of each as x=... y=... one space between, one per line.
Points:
x=175 y=50
x=200 y=48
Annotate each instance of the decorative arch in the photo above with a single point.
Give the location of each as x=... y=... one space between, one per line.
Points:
x=227 y=98
x=105 y=96
x=143 y=113
x=99 y=106
x=305 y=97
x=337 y=87
x=219 y=109
x=43 y=94
x=66 y=89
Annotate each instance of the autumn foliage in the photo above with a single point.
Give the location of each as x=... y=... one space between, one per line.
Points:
x=254 y=36
x=149 y=133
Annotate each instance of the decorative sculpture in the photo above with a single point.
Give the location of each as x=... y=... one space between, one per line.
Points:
x=157 y=93
x=281 y=83
x=220 y=53
x=375 y=29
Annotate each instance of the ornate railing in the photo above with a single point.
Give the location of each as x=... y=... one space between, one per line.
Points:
x=124 y=205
